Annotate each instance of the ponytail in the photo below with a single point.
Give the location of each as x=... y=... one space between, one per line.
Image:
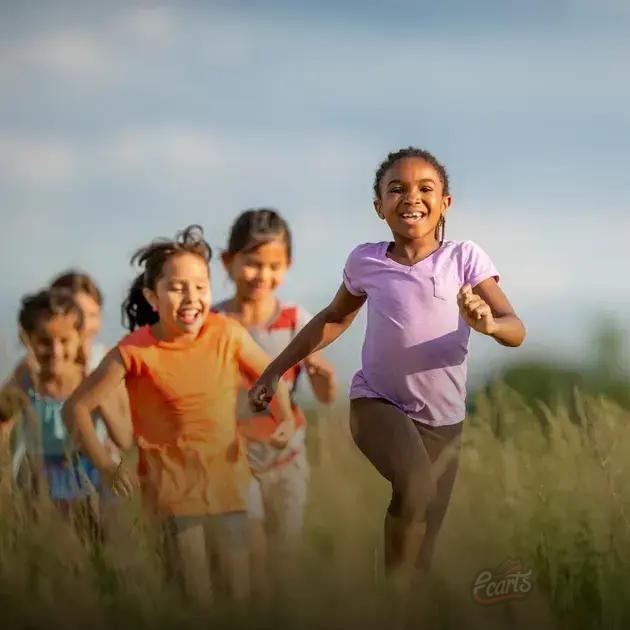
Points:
x=136 y=311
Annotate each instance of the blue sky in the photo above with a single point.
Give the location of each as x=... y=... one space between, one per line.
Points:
x=124 y=121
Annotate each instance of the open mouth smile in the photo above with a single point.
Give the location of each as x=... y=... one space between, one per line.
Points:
x=413 y=217
x=188 y=316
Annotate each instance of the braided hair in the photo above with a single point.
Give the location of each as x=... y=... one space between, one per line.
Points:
x=411 y=152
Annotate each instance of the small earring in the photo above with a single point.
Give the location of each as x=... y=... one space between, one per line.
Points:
x=154 y=309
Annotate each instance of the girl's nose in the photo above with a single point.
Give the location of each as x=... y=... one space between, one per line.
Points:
x=265 y=274
x=189 y=293
x=412 y=197
x=57 y=350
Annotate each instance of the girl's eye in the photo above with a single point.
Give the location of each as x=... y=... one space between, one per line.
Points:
x=395 y=189
x=426 y=189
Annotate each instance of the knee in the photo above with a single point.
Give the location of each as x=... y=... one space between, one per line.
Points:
x=412 y=496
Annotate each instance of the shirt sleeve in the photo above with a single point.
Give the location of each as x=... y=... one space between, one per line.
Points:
x=477 y=265
x=128 y=356
x=132 y=350
x=352 y=273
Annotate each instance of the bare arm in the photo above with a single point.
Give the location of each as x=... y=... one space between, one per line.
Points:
x=256 y=361
x=320 y=332
x=93 y=393
x=117 y=417
x=12 y=397
x=10 y=403
x=486 y=309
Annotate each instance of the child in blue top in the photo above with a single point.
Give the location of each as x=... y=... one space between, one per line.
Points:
x=30 y=402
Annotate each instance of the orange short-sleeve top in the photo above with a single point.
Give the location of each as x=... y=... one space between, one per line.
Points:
x=183 y=396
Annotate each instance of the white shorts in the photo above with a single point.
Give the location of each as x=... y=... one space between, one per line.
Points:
x=279 y=498
x=255 y=505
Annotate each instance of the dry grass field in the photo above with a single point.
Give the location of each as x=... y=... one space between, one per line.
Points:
x=545 y=486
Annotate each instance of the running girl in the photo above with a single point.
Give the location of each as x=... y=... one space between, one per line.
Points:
x=424 y=294
x=257 y=258
x=51 y=330
x=181 y=368
x=90 y=300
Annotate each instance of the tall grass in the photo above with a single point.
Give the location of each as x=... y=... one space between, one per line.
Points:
x=547 y=485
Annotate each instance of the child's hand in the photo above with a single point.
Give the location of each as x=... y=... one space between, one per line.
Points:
x=12 y=400
x=112 y=450
x=120 y=480
x=322 y=377
x=283 y=434
x=475 y=312
x=316 y=366
x=262 y=391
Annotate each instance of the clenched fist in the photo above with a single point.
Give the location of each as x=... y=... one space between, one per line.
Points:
x=262 y=391
x=475 y=311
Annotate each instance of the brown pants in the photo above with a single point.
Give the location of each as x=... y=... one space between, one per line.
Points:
x=420 y=462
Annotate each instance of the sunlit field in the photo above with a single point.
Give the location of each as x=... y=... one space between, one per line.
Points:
x=546 y=487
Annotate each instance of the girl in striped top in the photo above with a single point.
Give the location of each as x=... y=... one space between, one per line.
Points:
x=257 y=258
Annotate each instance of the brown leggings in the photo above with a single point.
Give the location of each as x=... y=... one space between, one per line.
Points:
x=420 y=462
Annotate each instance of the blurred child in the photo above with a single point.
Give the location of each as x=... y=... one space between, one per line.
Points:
x=90 y=300
x=257 y=258
x=51 y=329
x=424 y=294
x=181 y=366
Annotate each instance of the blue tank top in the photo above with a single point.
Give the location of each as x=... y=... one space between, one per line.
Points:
x=44 y=432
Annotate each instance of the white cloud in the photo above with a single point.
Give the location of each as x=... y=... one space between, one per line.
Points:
x=310 y=62
x=37 y=162
x=154 y=25
x=164 y=148
x=544 y=254
x=73 y=53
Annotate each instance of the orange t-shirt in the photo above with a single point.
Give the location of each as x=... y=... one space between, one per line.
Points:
x=182 y=396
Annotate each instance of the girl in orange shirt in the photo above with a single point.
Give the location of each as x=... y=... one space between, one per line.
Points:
x=181 y=366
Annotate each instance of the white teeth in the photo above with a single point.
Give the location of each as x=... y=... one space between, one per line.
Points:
x=412 y=215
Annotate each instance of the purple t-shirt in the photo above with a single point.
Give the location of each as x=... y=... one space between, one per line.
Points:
x=416 y=344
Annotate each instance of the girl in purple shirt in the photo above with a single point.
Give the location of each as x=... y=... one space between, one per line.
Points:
x=424 y=294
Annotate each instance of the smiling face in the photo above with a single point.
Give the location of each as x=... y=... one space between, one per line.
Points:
x=412 y=199
x=182 y=294
x=259 y=272
x=54 y=343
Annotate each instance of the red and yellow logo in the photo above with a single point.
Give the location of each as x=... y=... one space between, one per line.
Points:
x=509 y=581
